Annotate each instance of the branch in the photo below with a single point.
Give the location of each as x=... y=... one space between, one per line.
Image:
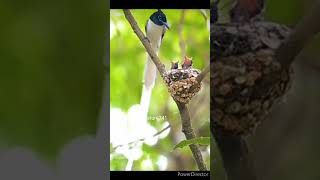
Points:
x=304 y=31
x=142 y=139
x=235 y=154
x=184 y=113
x=203 y=73
x=201 y=76
x=188 y=132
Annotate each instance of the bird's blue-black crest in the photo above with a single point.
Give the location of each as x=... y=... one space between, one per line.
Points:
x=159 y=18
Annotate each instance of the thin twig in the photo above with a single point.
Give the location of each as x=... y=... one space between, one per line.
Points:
x=156 y=134
x=201 y=76
x=142 y=139
x=182 y=42
x=303 y=32
x=184 y=113
x=307 y=28
x=203 y=73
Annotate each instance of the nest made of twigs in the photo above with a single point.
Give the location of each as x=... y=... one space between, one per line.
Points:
x=246 y=79
x=182 y=84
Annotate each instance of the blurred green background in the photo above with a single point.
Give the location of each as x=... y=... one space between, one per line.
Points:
x=128 y=57
x=51 y=72
x=286 y=146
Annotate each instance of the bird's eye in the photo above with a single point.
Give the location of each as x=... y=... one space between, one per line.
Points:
x=160 y=18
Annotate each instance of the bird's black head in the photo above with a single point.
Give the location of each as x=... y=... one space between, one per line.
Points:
x=159 y=18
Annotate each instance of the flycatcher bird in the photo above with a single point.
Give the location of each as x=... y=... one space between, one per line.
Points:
x=155 y=28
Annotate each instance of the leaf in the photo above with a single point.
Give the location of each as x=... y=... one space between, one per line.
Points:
x=199 y=140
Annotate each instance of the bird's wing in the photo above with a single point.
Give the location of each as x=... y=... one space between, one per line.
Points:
x=163 y=32
x=150 y=73
x=145 y=27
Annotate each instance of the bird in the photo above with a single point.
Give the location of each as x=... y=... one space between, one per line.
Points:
x=245 y=10
x=155 y=29
x=187 y=63
x=174 y=65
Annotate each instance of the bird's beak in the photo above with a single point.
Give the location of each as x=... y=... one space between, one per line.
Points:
x=166 y=25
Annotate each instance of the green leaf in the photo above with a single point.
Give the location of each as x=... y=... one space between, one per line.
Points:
x=118 y=162
x=199 y=140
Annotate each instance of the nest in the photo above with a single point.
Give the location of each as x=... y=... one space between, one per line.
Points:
x=182 y=84
x=246 y=79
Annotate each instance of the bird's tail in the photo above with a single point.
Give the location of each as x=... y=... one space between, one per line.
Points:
x=150 y=74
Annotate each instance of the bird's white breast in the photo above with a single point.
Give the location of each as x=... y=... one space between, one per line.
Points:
x=154 y=33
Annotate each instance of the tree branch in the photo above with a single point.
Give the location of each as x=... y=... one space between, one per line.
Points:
x=184 y=113
x=189 y=133
x=203 y=73
x=201 y=76
x=235 y=155
x=303 y=32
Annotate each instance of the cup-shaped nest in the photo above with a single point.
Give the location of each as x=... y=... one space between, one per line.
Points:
x=246 y=79
x=182 y=84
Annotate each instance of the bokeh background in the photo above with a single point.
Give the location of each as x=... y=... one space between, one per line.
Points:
x=127 y=59
x=287 y=146
x=52 y=69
